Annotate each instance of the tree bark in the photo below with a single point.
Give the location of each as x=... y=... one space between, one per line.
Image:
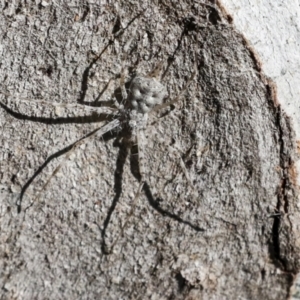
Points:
x=217 y=216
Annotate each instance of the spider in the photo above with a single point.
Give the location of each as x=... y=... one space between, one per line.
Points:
x=144 y=95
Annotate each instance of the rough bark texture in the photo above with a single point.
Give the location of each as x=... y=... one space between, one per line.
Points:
x=217 y=216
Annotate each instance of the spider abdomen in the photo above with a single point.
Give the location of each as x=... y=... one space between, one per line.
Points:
x=146 y=93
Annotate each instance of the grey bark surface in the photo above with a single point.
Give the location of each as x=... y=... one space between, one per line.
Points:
x=217 y=216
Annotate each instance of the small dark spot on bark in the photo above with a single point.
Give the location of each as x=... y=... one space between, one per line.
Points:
x=189 y=163
x=13 y=178
x=85 y=13
x=47 y=71
x=229 y=19
x=117 y=26
x=181 y=282
x=19 y=9
x=75 y=214
x=193 y=135
x=263 y=274
x=189 y=24
x=213 y=16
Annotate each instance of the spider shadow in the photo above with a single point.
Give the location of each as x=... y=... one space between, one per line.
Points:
x=118 y=175
x=88 y=119
x=70 y=120
x=120 y=163
x=94 y=117
x=123 y=148
x=118 y=179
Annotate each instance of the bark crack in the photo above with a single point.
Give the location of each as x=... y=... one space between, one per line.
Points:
x=282 y=207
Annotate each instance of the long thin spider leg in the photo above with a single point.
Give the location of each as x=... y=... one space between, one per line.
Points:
x=124 y=94
x=140 y=143
x=164 y=105
x=100 y=110
x=114 y=101
x=123 y=74
x=129 y=215
x=176 y=152
x=98 y=132
x=122 y=85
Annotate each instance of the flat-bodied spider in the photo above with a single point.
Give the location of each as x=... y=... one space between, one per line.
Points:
x=143 y=95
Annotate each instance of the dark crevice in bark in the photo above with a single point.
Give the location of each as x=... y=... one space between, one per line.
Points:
x=281 y=239
x=278 y=247
x=282 y=207
x=285 y=138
